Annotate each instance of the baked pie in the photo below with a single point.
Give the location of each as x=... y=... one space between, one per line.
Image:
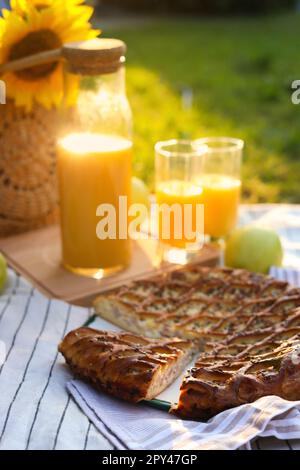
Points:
x=244 y=326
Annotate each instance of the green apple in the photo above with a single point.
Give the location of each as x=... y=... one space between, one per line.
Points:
x=140 y=192
x=3 y=272
x=253 y=248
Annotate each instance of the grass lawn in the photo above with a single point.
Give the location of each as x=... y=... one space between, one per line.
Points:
x=240 y=71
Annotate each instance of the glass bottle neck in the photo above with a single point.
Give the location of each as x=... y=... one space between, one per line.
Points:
x=99 y=104
x=113 y=82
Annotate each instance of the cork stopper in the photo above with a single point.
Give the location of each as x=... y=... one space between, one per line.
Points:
x=95 y=56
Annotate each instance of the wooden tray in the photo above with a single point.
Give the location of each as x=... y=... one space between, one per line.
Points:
x=36 y=256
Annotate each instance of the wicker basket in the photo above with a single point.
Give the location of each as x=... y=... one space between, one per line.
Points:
x=28 y=186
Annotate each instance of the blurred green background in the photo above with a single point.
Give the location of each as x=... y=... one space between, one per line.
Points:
x=192 y=76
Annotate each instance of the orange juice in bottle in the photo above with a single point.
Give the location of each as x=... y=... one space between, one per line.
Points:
x=93 y=169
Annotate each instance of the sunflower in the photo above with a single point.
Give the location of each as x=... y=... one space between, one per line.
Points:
x=22 y=6
x=34 y=26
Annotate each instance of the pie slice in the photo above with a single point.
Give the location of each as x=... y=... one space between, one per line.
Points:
x=218 y=383
x=125 y=365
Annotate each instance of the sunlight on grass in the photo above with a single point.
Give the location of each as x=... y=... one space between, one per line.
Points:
x=240 y=72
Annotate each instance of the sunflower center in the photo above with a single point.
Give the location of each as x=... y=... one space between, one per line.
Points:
x=41 y=6
x=33 y=43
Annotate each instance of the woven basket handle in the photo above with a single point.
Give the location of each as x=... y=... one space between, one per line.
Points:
x=31 y=61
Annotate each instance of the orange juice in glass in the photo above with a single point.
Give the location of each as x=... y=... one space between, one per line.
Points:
x=179 y=200
x=220 y=182
x=93 y=169
x=181 y=193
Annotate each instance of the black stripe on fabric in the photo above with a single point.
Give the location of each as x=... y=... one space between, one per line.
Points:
x=289 y=445
x=106 y=427
x=258 y=445
x=60 y=422
x=296 y=277
x=7 y=302
x=18 y=328
x=87 y=436
x=285 y=275
x=48 y=379
x=13 y=292
x=26 y=369
x=88 y=430
x=68 y=400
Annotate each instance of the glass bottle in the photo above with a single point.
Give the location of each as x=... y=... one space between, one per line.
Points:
x=94 y=159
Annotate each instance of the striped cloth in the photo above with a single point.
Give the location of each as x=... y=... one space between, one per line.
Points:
x=128 y=426
x=290 y=275
x=36 y=412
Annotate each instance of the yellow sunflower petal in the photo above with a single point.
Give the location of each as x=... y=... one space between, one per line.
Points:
x=66 y=21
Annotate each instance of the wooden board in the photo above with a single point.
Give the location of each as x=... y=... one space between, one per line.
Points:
x=37 y=256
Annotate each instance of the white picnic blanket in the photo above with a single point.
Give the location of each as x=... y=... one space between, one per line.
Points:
x=36 y=412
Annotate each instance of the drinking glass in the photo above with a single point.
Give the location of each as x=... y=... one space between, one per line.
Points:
x=179 y=203
x=220 y=181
